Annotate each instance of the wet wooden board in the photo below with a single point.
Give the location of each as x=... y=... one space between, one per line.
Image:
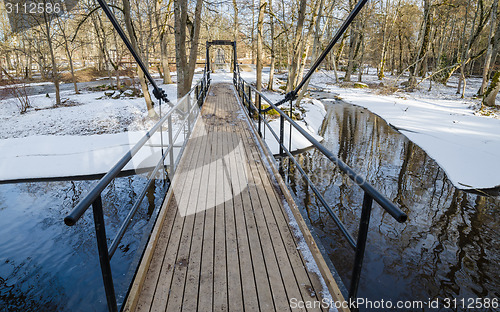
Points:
x=224 y=243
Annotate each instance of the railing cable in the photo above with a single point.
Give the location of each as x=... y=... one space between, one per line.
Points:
x=292 y=95
x=158 y=92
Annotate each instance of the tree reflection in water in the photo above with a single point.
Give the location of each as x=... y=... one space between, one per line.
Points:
x=448 y=248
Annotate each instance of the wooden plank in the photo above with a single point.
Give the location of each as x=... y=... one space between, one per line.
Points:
x=205 y=300
x=234 y=285
x=274 y=271
x=265 y=298
x=220 y=276
x=246 y=266
x=190 y=301
x=290 y=278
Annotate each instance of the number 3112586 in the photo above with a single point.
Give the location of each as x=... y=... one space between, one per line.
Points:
x=33 y=8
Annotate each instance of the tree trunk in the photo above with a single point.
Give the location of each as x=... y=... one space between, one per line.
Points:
x=185 y=70
x=296 y=47
x=381 y=66
x=260 y=24
x=489 y=52
x=235 y=25
x=55 y=74
x=73 y=77
x=180 y=21
x=353 y=42
x=133 y=41
x=252 y=32
x=316 y=43
x=360 y=72
x=193 y=53
x=167 y=79
x=424 y=44
x=273 y=57
x=491 y=94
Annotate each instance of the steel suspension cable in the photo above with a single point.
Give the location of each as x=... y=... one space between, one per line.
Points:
x=292 y=95
x=158 y=92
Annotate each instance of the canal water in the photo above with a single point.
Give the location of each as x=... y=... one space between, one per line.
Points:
x=448 y=248
x=48 y=266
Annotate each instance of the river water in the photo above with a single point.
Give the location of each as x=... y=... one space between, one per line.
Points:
x=448 y=248
x=48 y=266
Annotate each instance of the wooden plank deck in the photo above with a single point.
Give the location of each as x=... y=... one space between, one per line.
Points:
x=223 y=242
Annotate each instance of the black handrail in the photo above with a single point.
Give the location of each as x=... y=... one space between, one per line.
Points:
x=370 y=193
x=94 y=197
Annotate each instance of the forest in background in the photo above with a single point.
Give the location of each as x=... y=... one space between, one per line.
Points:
x=428 y=40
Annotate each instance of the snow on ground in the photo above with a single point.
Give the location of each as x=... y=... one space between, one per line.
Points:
x=86 y=136
x=465 y=145
x=90 y=132
x=51 y=156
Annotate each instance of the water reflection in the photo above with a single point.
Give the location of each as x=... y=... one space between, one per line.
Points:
x=449 y=248
x=48 y=266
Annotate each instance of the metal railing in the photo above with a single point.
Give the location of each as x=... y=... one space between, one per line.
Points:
x=256 y=111
x=187 y=108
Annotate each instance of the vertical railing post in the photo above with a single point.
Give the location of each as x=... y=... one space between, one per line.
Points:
x=259 y=100
x=282 y=133
x=290 y=114
x=360 y=246
x=189 y=114
x=102 y=247
x=265 y=126
x=171 y=143
x=249 y=101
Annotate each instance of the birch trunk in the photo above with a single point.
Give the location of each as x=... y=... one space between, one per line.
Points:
x=260 y=24
x=489 y=52
x=55 y=74
x=273 y=56
x=296 y=47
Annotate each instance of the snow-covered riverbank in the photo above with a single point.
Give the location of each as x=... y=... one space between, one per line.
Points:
x=92 y=131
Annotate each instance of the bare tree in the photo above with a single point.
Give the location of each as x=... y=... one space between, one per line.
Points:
x=162 y=26
x=133 y=41
x=50 y=43
x=185 y=67
x=260 y=24
x=292 y=72
x=494 y=30
x=273 y=47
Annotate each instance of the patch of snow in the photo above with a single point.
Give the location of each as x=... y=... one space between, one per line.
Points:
x=50 y=156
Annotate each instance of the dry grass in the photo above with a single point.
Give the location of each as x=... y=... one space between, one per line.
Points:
x=386 y=90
